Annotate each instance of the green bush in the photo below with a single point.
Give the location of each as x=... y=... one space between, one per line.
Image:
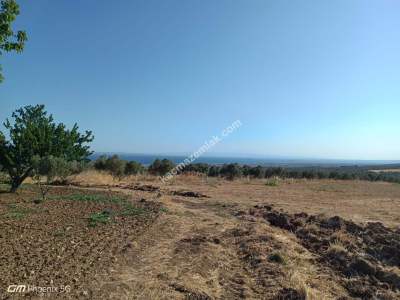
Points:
x=272 y=182
x=100 y=163
x=231 y=171
x=214 y=171
x=115 y=166
x=133 y=168
x=118 y=167
x=47 y=169
x=161 y=167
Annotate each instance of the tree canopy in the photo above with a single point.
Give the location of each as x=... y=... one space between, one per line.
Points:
x=10 y=40
x=32 y=133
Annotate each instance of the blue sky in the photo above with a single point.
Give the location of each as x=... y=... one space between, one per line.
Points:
x=312 y=79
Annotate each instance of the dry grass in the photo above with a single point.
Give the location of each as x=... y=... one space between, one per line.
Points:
x=361 y=201
x=162 y=264
x=336 y=248
x=297 y=282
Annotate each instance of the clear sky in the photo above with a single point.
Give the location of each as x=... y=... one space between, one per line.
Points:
x=313 y=79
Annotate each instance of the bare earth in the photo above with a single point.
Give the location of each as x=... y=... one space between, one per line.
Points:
x=218 y=239
x=202 y=248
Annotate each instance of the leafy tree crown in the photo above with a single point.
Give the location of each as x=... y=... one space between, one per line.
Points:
x=10 y=40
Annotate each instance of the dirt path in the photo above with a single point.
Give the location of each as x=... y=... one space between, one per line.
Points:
x=198 y=249
x=180 y=256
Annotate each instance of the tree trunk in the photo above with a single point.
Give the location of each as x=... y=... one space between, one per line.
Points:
x=15 y=183
x=18 y=180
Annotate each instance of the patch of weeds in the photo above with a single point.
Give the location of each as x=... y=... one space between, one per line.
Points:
x=130 y=210
x=16 y=212
x=59 y=233
x=99 y=198
x=277 y=258
x=272 y=182
x=99 y=218
x=164 y=210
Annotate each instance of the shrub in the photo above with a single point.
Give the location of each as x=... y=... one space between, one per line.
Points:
x=49 y=168
x=272 y=182
x=256 y=172
x=100 y=163
x=197 y=168
x=115 y=166
x=133 y=168
x=161 y=167
x=214 y=171
x=231 y=171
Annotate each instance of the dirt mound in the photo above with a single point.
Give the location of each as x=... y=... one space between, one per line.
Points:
x=366 y=257
x=146 y=188
x=189 y=194
x=254 y=249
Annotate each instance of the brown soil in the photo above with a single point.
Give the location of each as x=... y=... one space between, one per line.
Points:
x=244 y=240
x=52 y=244
x=360 y=256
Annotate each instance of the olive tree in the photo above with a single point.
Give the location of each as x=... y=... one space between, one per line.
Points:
x=231 y=171
x=115 y=166
x=133 y=168
x=32 y=133
x=161 y=167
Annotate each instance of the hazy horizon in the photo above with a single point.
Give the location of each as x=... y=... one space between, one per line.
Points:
x=305 y=78
x=241 y=158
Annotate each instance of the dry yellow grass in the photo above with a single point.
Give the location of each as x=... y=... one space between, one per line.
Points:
x=162 y=266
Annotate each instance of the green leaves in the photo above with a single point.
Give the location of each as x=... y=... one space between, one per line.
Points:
x=33 y=133
x=161 y=167
x=10 y=41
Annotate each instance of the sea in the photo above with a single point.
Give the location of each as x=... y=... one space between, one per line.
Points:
x=147 y=159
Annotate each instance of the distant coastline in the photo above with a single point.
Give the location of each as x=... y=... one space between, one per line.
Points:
x=147 y=159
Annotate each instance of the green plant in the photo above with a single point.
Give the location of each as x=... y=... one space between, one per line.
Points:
x=130 y=210
x=164 y=210
x=231 y=171
x=161 y=167
x=17 y=212
x=133 y=168
x=100 y=163
x=9 y=40
x=46 y=169
x=272 y=182
x=99 y=198
x=115 y=166
x=34 y=133
x=100 y=217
